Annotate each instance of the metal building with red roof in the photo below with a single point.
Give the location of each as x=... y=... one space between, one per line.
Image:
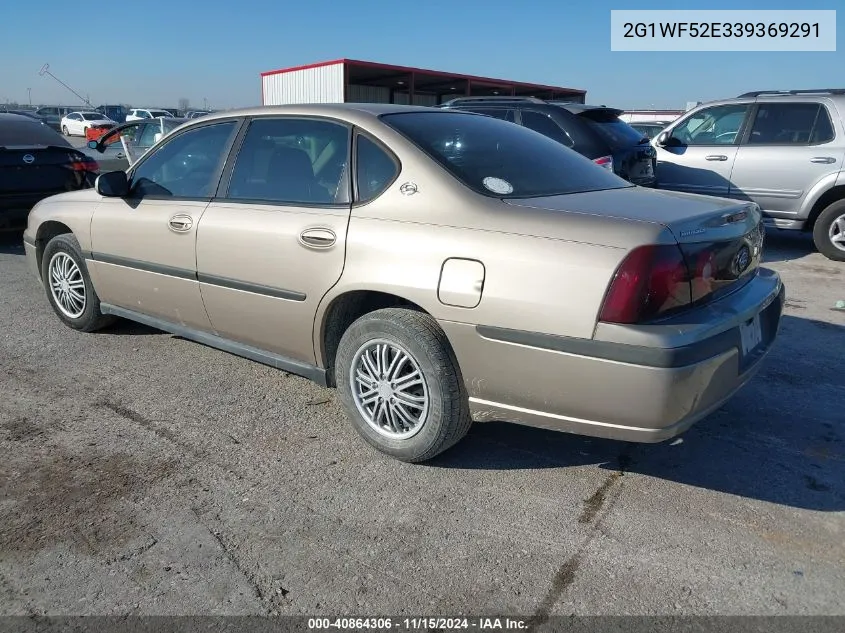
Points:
x=356 y=81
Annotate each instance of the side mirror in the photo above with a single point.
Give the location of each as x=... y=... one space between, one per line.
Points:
x=94 y=144
x=662 y=138
x=112 y=184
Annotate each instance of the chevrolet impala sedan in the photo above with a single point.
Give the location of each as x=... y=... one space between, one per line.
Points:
x=434 y=266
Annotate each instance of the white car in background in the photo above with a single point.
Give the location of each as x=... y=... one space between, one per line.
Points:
x=138 y=114
x=76 y=123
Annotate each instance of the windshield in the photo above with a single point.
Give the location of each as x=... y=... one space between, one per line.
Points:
x=611 y=128
x=28 y=132
x=500 y=159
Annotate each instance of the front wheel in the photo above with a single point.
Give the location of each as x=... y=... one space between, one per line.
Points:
x=64 y=130
x=829 y=232
x=69 y=289
x=400 y=383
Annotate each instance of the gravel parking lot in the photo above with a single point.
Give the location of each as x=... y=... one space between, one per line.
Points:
x=143 y=473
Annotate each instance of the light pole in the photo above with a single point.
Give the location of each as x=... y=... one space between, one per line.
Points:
x=45 y=70
x=29 y=93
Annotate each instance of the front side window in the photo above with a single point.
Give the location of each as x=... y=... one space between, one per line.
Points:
x=499 y=159
x=292 y=161
x=791 y=124
x=375 y=169
x=544 y=124
x=718 y=125
x=188 y=166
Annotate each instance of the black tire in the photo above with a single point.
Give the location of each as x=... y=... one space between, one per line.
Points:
x=821 y=231
x=447 y=419
x=64 y=130
x=91 y=319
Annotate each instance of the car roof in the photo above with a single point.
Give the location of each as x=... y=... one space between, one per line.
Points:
x=339 y=110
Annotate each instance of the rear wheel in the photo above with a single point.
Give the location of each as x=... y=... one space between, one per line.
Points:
x=69 y=289
x=400 y=383
x=64 y=130
x=829 y=231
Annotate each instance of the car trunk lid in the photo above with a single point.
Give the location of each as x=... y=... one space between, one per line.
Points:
x=719 y=243
x=42 y=168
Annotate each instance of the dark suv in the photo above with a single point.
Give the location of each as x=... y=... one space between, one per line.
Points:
x=597 y=132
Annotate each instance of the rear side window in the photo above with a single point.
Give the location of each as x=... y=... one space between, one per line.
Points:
x=611 y=128
x=498 y=159
x=28 y=132
x=292 y=161
x=374 y=169
x=544 y=124
x=791 y=124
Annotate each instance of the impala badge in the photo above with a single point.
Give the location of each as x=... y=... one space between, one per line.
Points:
x=408 y=189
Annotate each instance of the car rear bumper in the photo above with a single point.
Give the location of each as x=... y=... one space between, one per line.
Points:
x=638 y=393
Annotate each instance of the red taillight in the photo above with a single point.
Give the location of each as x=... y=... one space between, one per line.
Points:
x=650 y=281
x=604 y=161
x=84 y=165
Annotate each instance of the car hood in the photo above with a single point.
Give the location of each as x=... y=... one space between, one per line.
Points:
x=690 y=217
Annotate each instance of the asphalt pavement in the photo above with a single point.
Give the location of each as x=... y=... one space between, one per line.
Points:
x=145 y=474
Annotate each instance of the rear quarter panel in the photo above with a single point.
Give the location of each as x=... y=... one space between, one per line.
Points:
x=530 y=281
x=543 y=270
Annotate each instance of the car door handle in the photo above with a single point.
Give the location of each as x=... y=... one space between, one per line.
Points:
x=181 y=223
x=823 y=159
x=317 y=238
x=121 y=155
x=716 y=157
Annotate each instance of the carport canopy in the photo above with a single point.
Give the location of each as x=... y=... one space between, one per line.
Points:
x=412 y=82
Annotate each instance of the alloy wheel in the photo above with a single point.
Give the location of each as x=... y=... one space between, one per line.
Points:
x=67 y=285
x=389 y=389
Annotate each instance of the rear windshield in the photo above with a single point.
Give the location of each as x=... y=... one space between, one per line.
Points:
x=611 y=128
x=28 y=132
x=500 y=159
x=92 y=116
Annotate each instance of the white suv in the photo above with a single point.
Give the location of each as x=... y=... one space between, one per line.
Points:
x=783 y=150
x=136 y=114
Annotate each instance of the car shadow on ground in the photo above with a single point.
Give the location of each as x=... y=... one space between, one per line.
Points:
x=784 y=246
x=781 y=439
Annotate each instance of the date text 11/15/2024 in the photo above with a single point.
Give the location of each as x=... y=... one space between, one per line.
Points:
x=416 y=623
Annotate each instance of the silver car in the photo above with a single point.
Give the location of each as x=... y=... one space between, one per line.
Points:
x=783 y=150
x=435 y=266
x=123 y=145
